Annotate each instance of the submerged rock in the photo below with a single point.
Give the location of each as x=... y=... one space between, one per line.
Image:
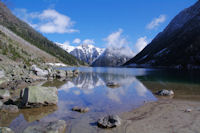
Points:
x=165 y=93
x=50 y=127
x=112 y=85
x=81 y=110
x=9 y=108
x=4 y=94
x=34 y=96
x=6 y=130
x=109 y=121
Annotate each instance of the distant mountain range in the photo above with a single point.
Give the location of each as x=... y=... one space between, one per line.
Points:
x=112 y=57
x=178 y=46
x=100 y=57
x=85 y=52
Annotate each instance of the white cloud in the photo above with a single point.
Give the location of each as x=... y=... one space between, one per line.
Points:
x=88 y=41
x=140 y=44
x=116 y=41
x=77 y=41
x=156 y=22
x=48 y=21
x=67 y=43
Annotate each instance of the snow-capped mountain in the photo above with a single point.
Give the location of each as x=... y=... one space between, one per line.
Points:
x=114 y=57
x=85 y=52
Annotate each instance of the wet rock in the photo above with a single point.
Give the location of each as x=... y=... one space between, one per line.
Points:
x=76 y=72
x=165 y=93
x=6 y=130
x=4 y=94
x=81 y=110
x=112 y=85
x=10 y=108
x=50 y=127
x=34 y=96
x=109 y=121
x=39 y=72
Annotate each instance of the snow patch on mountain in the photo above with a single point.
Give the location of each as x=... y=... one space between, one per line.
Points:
x=85 y=52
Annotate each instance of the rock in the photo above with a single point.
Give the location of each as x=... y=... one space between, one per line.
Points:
x=69 y=73
x=1 y=104
x=6 y=130
x=75 y=72
x=81 y=110
x=10 y=108
x=165 y=93
x=2 y=74
x=60 y=74
x=109 y=121
x=50 y=127
x=3 y=81
x=188 y=110
x=112 y=85
x=34 y=96
x=39 y=72
x=4 y=94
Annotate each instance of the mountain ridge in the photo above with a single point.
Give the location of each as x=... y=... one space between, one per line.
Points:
x=177 y=46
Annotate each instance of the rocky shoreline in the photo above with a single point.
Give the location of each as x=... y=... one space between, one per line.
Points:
x=20 y=87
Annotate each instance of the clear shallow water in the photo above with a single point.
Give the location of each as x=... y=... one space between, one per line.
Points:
x=89 y=90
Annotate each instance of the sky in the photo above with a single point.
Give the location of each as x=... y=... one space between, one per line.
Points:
x=103 y=23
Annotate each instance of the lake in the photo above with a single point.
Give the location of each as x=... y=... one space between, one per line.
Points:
x=137 y=86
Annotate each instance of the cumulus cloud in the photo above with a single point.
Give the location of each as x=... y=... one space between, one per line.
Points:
x=77 y=41
x=88 y=41
x=48 y=21
x=156 y=22
x=118 y=42
x=140 y=44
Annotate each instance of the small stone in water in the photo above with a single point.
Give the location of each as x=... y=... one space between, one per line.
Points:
x=81 y=110
x=188 y=110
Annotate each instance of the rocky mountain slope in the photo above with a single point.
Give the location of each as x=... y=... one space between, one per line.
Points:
x=177 y=46
x=19 y=39
x=113 y=57
x=85 y=52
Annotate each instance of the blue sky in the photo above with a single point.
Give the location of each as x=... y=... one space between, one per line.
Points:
x=131 y=22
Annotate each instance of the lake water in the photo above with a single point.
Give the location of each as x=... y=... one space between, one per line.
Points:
x=89 y=89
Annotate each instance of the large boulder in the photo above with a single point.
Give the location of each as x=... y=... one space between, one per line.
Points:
x=109 y=121
x=34 y=96
x=165 y=93
x=39 y=72
x=4 y=94
x=50 y=127
x=60 y=74
x=6 y=130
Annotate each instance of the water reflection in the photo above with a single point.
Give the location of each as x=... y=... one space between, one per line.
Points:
x=89 y=90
